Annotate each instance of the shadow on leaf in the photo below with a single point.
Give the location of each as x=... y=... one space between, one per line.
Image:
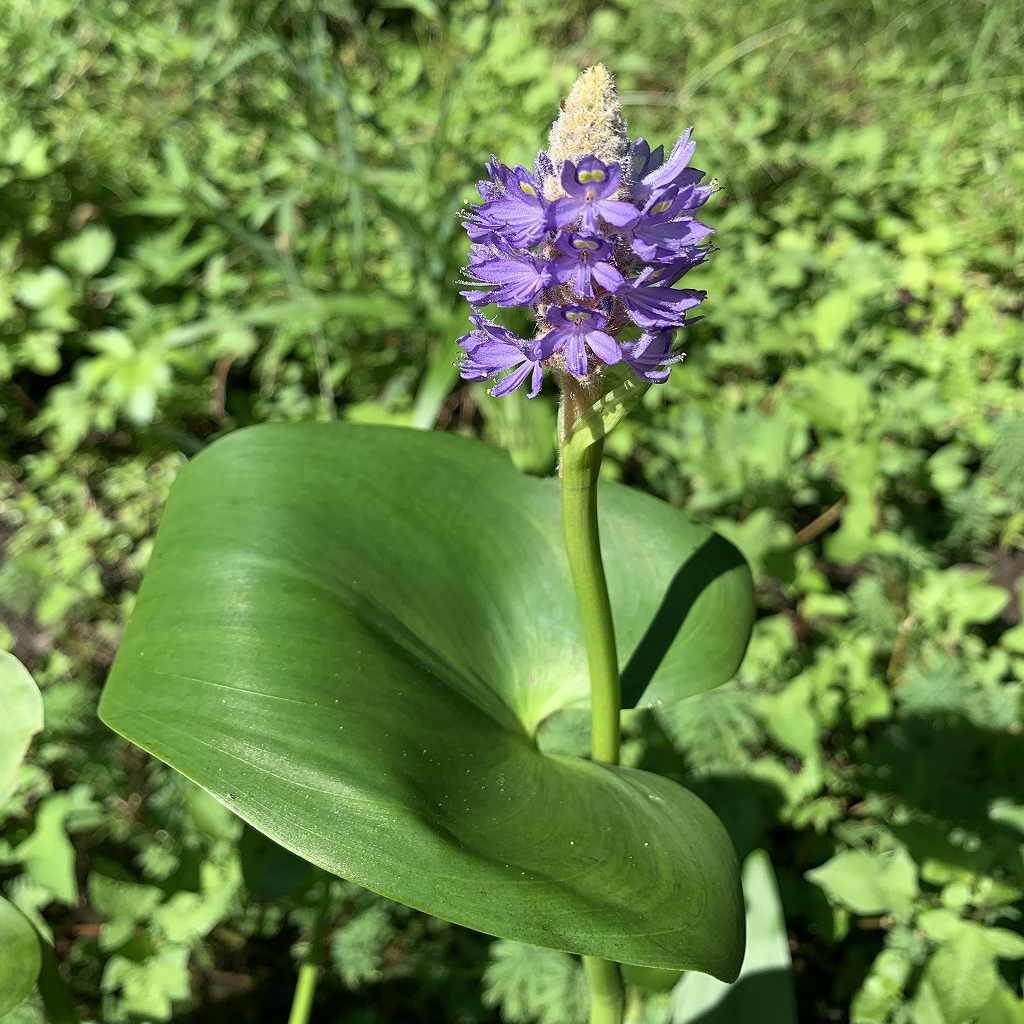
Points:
x=714 y=558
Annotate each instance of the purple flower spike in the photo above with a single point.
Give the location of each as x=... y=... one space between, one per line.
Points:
x=589 y=185
x=574 y=330
x=584 y=259
x=603 y=256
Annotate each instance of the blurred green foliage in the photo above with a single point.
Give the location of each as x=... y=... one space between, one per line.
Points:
x=218 y=213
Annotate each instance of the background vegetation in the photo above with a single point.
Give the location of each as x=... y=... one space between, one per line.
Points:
x=220 y=212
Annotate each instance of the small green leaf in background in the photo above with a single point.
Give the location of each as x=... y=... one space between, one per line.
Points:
x=20 y=959
x=962 y=978
x=535 y=985
x=1005 y=1007
x=88 y=252
x=148 y=989
x=21 y=719
x=357 y=948
x=122 y=902
x=44 y=289
x=959 y=981
x=869 y=883
x=47 y=854
x=883 y=988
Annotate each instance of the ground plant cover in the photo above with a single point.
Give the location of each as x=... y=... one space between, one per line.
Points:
x=219 y=215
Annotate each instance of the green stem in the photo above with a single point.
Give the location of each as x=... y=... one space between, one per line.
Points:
x=305 y=989
x=607 y=997
x=309 y=972
x=579 y=471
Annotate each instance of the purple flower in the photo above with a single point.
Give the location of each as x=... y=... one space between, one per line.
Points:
x=491 y=349
x=658 y=305
x=583 y=259
x=643 y=159
x=650 y=356
x=515 y=278
x=670 y=271
x=590 y=185
x=666 y=226
x=652 y=174
x=514 y=210
x=574 y=330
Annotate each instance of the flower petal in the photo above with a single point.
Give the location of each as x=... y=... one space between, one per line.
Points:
x=608 y=277
x=575 y=354
x=604 y=347
x=537 y=381
x=618 y=213
x=508 y=384
x=567 y=211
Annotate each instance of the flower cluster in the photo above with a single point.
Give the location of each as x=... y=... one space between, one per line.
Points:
x=594 y=248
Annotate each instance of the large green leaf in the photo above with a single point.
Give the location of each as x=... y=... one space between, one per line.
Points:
x=22 y=718
x=350 y=636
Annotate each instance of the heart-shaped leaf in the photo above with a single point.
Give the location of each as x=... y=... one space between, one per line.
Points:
x=350 y=636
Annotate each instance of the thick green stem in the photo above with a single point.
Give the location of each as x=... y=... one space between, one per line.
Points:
x=579 y=470
x=309 y=971
x=583 y=547
x=607 y=996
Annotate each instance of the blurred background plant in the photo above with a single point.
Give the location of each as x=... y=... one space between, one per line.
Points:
x=220 y=213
